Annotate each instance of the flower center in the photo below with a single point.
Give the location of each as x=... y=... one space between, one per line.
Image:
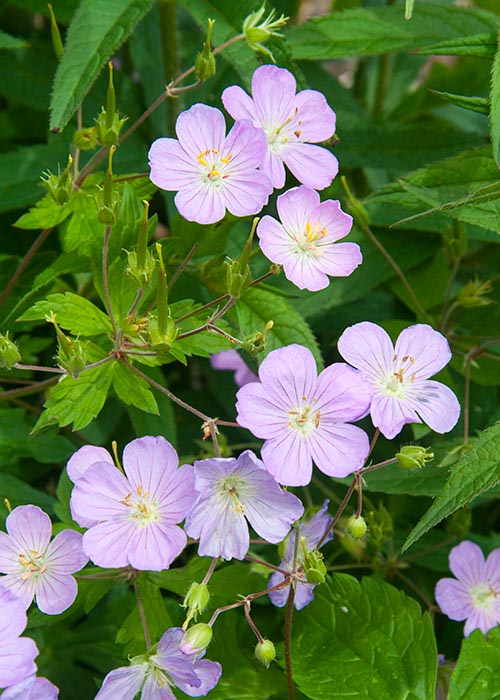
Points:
x=143 y=510
x=228 y=488
x=483 y=596
x=32 y=564
x=306 y=240
x=213 y=166
x=396 y=383
x=304 y=419
x=280 y=134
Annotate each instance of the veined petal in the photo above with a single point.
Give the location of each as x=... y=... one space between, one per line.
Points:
x=150 y=462
x=13 y=619
x=367 y=347
x=288 y=459
x=314 y=166
x=260 y=412
x=272 y=166
x=65 y=553
x=123 y=683
x=84 y=458
x=31 y=688
x=429 y=349
x=291 y=373
x=343 y=394
x=467 y=564
x=246 y=193
x=318 y=119
x=203 y=203
x=296 y=207
x=280 y=596
x=492 y=568
x=17 y=660
x=208 y=673
x=482 y=619
x=154 y=546
x=107 y=543
x=9 y=555
x=454 y=599
x=107 y=502
x=152 y=690
x=177 y=497
x=304 y=594
x=301 y=269
x=273 y=92
x=172 y=168
x=391 y=414
x=246 y=145
x=200 y=128
x=330 y=216
x=55 y=592
x=338 y=259
x=238 y=103
x=221 y=529
x=339 y=449
x=23 y=589
x=30 y=528
x=436 y=404
x=276 y=244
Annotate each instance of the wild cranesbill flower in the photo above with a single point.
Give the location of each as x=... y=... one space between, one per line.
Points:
x=154 y=676
x=305 y=242
x=211 y=172
x=17 y=653
x=231 y=359
x=303 y=417
x=474 y=595
x=312 y=532
x=398 y=376
x=291 y=122
x=31 y=688
x=230 y=492
x=35 y=566
x=135 y=513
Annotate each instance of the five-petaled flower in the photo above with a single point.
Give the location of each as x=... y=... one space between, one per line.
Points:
x=17 y=654
x=35 y=566
x=399 y=376
x=291 y=122
x=305 y=242
x=134 y=515
x=232 y=491
x=304 y=417
x=211 y=172
x=474 y=595
x=154 y=676
x=310 y=533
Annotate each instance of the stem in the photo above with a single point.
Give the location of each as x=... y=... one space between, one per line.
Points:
x=262 y=562
x=142 y=615
x=27 y=390
x=467 y=398
x=252 y=624
x=288 y=643
x=183 y=265
x=24 y=263
x=39 y=368
x=359 y=485
x=105 y=282
x=339 y=512
x=210 y=571
x=372 y=467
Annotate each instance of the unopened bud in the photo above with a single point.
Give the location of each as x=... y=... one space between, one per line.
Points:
x=257 y=30
x=60 y=186
x=71 y=355
x=108 y=123
x=413 y=456
x=473 y=294
x=256 y=342
x=9 y=354
x=85 y=139
x=106 y=213
x=196 y=599
x=196 y=639
x=55 y=35
x=313 y=564
x=265 y=652
x=356 y=526
x=204 y=66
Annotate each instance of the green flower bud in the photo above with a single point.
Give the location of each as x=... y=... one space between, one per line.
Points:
x=85 y=139
x=313 y=565
x=265 y=652
x=356 y=526
x=196 y=599
x=108 y=123
x=256 y=342
x=106 y=213
x=204 y=66
x=60 y=187
x=196 y=639
x=256 y=30
x=413 y=456
x=473 y=294
x=9 y=354
x=55 y=35
x=71 y=355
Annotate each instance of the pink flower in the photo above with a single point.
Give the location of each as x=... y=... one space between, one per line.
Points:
x=291 y=123
x=230 y=359
x=35 y=566
x=31 y=688
x=474 y=595
x=17 y=654
x=211 y=172
x=134 y=514
x=303 y=417
x=305 y=242
x=398 y=375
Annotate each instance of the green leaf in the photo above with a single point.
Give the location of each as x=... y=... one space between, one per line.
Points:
x=377 y=30
x=483 y=45
x=476 y=472
x=19 y=493
x=384 y=646
x=476 y=676
x=77 y=401
x=133 y=390
x=16 y=443
x=74 y=313
x=46 y=213
x=161 y=424
x=474 y=104
x=11 y=42
x=495 y=107
x=257 y=307
x=97 y=29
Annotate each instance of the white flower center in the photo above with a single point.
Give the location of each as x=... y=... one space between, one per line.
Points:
x=304 y=419
x=143 y=509
x=214 y=167
x=32 y=564
x=228 y=488
x=396 y=383
x=483 y=596
x=279 y=135
x=306 y=240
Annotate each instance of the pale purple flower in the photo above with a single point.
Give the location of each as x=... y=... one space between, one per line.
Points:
x=211 y=172
x=31 y=688
x=312 y=532
x=231 y=359
x=474 y=593
x=291 y=122
x=303 y=417
x=17 y=654
x=154 y=676
x=399 y=376
x=305 y=242
x=78 y=464
x=135 y=513
x=34 y=566
x=230 y=492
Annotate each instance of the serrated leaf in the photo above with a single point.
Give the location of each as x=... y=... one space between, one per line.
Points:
x=46 y=213
x=73 y=313
x=376 y=30
x=476 y=472
x=482 y=45
x=476 y=676
x=11 y=42
x=495 y=107
x=474 y=104
x=77 y=401
x=97 y=29
x=384 y=646
x=133 y=390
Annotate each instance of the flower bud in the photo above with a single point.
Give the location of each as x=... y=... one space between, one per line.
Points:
x=256 y=342
x=85 y=139
x=413 y=456
x=108 y=123
x=196 y=599
x=9 y=354
x=473 y=294
x=257 y=31
x=71 y=355
x=356 y=526
x=204 y=66
x=196 y=639
x=265 y=652
x=55 y=35
x=60 y=186
x=313 y=565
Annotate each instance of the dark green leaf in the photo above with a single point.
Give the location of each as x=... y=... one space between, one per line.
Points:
x=476 y=674
x=74 y=313
x=482 y=45
x=495 y=107
x=475 y=104
x=133 y=390
x=46 y=213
